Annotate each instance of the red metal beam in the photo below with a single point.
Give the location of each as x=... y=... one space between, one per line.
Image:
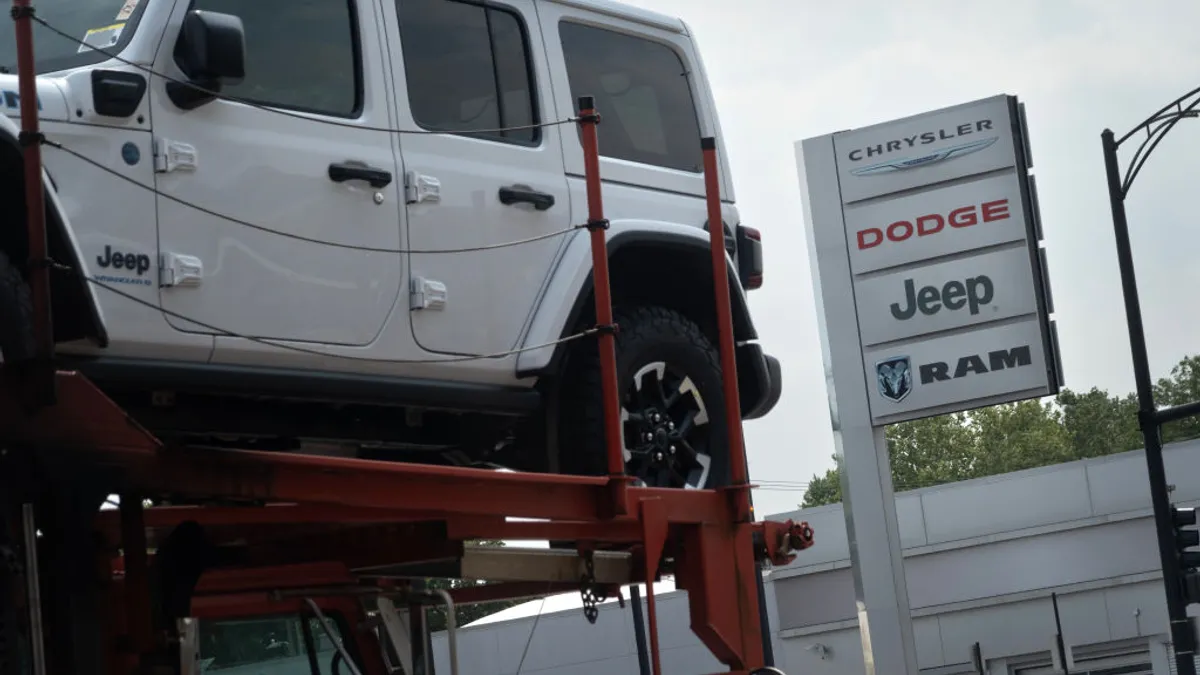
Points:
x=367 y=484
x=241 y=579
x=738 y=471
x=718 y=574
x=84 y=420
x=598 y=227
x=41 y=381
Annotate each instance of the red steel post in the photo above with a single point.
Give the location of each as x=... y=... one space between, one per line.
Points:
x=733 y=405
x=38 y=268
x=619 y=480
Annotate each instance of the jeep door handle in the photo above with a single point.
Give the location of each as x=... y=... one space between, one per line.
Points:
x=519 y=194
x=344 y=171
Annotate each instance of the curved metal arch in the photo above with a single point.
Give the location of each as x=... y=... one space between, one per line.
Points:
x=1157 y=126
x=1177 y=104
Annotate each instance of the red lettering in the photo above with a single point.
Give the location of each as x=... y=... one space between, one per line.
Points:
x=862 y=237
x=997 y=210
x=900 y=226
x=923 y=225
x=964 y=217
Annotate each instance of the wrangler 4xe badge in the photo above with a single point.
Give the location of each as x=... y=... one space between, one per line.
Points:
x=137 y=263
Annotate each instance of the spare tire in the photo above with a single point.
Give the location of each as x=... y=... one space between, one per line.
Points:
x=16 y=313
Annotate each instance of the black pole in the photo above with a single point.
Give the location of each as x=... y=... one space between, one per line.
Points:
x=1058 y=635
x=639 y=629
x=764 y=619
x=1181 y=635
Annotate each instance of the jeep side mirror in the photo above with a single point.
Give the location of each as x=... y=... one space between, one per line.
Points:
x=211 y=52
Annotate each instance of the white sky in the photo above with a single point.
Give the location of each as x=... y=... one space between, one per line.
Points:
x=785 y=70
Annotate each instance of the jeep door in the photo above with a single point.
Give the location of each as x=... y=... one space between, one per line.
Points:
x=287 y=157
x=467 y=67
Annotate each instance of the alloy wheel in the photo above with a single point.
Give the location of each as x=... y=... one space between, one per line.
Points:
x=666 y=434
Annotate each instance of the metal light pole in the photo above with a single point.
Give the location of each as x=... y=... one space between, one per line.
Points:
x=1150 y=418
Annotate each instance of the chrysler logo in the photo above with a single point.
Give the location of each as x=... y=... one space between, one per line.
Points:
x=925 y=160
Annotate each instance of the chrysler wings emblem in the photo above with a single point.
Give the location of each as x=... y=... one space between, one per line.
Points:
x=924 y=160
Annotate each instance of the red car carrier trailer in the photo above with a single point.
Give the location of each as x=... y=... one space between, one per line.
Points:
x=326 y=542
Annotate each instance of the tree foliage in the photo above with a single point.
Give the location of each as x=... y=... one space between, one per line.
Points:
x=1021 y=435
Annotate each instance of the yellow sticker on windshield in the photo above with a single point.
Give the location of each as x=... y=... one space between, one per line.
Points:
x=101 y=38
x=127 y=10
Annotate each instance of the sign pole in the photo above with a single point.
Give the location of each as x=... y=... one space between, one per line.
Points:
x=933 y=298
x=868 y=501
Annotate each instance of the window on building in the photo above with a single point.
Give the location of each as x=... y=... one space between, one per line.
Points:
x=281 y=643
x=300 y=54
x=642 y=93
x=468 y=69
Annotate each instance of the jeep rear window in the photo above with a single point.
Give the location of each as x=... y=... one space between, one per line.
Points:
x=468 y=68
x=103 y=24
x=642 y=94
x=300 y=54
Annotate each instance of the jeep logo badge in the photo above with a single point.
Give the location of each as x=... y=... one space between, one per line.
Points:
x=118 y=260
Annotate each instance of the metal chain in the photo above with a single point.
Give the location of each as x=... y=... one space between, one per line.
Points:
x=592 y=593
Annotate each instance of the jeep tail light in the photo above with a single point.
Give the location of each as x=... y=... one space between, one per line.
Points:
x=749 y=257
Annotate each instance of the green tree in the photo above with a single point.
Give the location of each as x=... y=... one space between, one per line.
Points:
x=825 y=489
x=1017 y=436
x=1183 y=386
x=1099 y=424
x=1021 y=435
x=931 y=451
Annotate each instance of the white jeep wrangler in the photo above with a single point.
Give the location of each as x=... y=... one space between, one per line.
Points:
x=266 y=267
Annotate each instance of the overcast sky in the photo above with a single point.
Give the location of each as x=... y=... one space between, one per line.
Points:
x=785 y=70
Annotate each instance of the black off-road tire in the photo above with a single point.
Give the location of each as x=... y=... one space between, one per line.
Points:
x=646 y=335
x=16 y=313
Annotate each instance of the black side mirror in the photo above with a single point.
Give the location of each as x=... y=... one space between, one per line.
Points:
x=211 y=51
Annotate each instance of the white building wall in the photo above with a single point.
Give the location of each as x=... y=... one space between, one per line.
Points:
x=563 y=642
x=982 y=558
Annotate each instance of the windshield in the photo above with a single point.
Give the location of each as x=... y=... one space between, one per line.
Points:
x=105 y=24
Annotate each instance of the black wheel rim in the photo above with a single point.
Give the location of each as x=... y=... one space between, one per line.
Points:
x=665 y=423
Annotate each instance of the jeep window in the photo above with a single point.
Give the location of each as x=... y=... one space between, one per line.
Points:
x=300 y=54
x=642 y=93
x=281 y=644
x=468 y=69
x=101 y=24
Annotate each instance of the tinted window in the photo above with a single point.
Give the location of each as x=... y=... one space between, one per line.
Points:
x=467 y=68
x=279 y=645
x=300 y=54
x=642 y=94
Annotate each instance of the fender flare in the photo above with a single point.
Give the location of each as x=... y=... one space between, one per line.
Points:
x=61 y=246
x=557 y=314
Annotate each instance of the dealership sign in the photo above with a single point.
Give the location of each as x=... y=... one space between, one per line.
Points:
x=936 y=218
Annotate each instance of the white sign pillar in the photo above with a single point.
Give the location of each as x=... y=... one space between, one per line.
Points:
x=931 y=289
